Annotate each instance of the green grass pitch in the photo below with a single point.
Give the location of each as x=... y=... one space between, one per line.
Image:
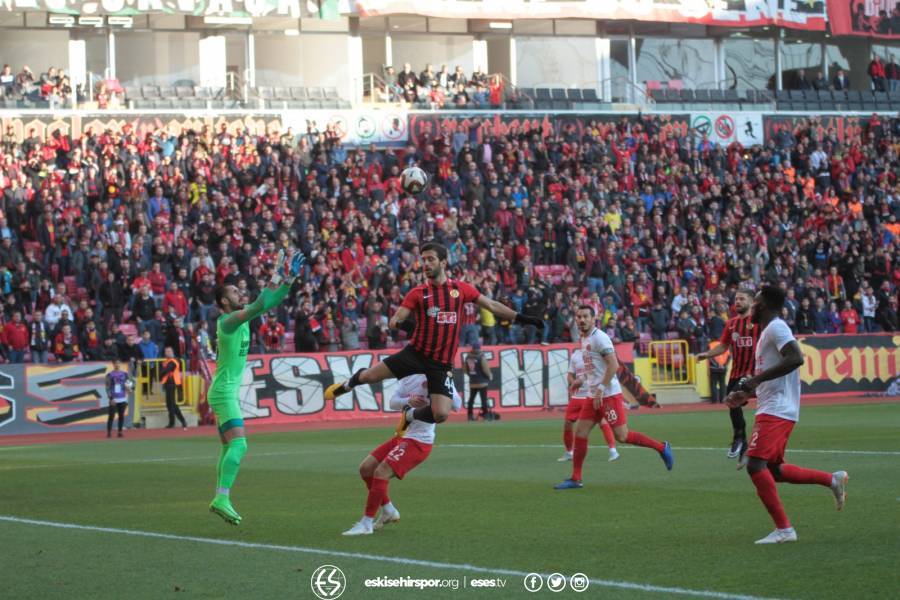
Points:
x=484 y=498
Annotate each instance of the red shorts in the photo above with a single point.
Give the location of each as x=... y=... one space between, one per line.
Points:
x=573 y=409
x=612 y=408
x=769 y=438
x=402 y=454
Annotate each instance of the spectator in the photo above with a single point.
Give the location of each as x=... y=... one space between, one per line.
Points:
x=877 y=74
x=804 y=320
x=39 y=337
x=271 y=335
x=55 y=311
x=175 y=299
x=820 y=83
x=377 y=326
x=65 y=345
x=349 y=333
x=659 y=321
x=892 y=75
x=145 y=312
x=149 y=350
x=869 y=308
x=15 y=336
x=849 y=319
x=802 y=82
x=90 y=341
x=305 y=331
x=7 y=80
x=840 y=82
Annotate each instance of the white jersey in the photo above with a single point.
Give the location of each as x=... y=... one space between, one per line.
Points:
x=593 y=348
x=778 y=397
x=576 y=368
x=416 y=386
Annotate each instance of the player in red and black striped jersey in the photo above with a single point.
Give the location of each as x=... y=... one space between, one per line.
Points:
x=739 y=339
x=437 y=307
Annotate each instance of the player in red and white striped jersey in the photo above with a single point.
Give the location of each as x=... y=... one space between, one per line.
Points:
x=396 y=457
x=437 y=307
x=739 y=338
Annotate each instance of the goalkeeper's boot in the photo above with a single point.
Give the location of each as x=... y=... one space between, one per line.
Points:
x=569 y=484
x=666 y=456
x=221 y=505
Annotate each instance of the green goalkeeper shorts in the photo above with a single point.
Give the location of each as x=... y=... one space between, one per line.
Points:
x=228 y=413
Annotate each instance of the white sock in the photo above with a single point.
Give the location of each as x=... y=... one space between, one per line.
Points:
x=223 y=491
x=367 y=521
x=389 y=507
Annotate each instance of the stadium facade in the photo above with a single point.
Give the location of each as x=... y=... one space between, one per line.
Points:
x=617 y=48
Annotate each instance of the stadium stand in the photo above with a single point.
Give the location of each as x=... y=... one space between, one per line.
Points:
x=654 y=234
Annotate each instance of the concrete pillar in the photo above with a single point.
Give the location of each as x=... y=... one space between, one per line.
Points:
x=480 y=55
x=389 y=52
x=632 y=69
x=78 y=62
x=212 y=61
x=720 y=64
x=110 y=55
x=251 y=60
x=355 y=66
x=779 y=61
x=513 y=71
x=604 y=70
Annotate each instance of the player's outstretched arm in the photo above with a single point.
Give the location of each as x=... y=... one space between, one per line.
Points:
x=506 y=313
x=271 y=296
x=714 y=352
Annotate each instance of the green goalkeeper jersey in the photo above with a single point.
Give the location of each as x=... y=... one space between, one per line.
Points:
x=231 y=359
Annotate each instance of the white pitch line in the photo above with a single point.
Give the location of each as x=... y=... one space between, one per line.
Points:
x=679 y=448
x=377 y=558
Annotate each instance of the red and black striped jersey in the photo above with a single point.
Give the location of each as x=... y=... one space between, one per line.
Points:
x=438 y=310
x=741 y=335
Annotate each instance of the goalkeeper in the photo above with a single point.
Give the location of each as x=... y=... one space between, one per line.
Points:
x=233 y=333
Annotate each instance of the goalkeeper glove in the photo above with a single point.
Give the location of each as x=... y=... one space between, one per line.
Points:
x=288 y=270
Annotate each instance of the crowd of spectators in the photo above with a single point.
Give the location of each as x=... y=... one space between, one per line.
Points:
x=52 y=85
x=113 y=244
x=442 y=88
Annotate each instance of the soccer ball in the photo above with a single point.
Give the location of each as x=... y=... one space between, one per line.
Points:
x=413 y=180
x=129 y=384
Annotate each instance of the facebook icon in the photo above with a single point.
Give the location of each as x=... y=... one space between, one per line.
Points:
x=533 y=582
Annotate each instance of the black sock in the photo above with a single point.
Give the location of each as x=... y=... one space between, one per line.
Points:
x=424 y=414
x=738 y=423
x=354 y=380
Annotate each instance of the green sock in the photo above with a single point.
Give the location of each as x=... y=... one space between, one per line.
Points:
x=230 y=462
x=222 y=452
